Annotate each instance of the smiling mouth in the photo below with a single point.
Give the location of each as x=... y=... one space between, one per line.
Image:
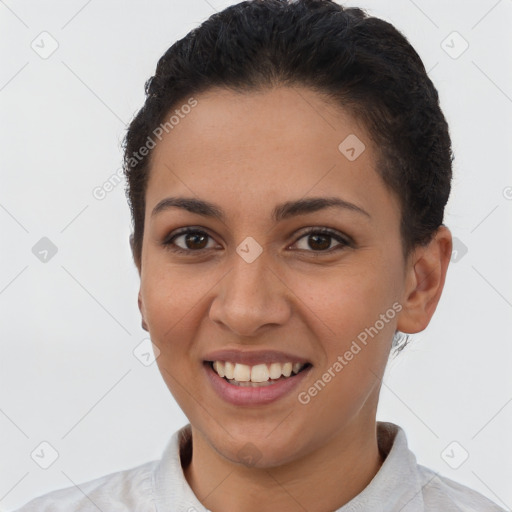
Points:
x=257 y=375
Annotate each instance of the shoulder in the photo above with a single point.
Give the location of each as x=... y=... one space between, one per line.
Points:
x=442 y=493
x=403 y=484
x=123 y=491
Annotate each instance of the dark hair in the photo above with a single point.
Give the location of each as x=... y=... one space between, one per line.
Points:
x=361 y=63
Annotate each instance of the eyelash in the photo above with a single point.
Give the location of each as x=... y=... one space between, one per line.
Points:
x=168 y=243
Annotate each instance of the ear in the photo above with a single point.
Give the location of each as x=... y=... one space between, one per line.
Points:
x=134 y=253
x=139 y=298
x=425 y=277
x=142 y=311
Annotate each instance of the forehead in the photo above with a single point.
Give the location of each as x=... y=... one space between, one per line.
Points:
x=266 y=145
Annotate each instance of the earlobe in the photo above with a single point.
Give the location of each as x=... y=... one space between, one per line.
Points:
x=425 y=280
x=141 y=309
x=139 y=298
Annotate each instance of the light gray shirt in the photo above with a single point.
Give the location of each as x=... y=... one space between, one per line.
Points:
x=400 y=485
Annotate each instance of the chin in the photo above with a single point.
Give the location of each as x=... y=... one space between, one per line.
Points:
x=258 y=452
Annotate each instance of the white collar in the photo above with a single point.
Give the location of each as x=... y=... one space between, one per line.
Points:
x=396 y=486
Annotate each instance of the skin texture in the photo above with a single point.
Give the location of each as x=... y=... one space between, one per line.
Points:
x=246 y=153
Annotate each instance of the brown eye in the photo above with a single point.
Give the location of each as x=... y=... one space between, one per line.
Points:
x=319 y=240
x=195 y=240
x=190 y=240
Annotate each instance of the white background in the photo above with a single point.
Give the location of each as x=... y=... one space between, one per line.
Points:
x=69 y=326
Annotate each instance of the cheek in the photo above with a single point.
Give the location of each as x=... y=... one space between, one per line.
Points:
x=355 y=343
x=343 y=303
x=353 y=321
x=172 y=299
x=170 y=296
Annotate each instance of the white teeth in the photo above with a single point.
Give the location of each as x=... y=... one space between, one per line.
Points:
x=259 y=374
x=275 y=370
x=242 y=373
x=218 y=366
x=287 y=369
x=229 y=370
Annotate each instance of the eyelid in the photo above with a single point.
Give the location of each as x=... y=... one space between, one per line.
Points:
x=168 y=241
x=342 y=239
x=339 y=236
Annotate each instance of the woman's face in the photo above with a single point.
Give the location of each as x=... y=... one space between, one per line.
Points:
x=255 y=284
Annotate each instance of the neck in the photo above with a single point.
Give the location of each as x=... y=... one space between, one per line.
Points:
x=324 y=480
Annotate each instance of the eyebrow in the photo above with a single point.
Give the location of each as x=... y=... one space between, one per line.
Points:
x=280 y=212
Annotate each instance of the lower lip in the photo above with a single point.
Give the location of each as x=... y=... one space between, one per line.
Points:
x=248 y=395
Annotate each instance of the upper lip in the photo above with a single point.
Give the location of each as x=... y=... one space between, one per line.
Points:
x=253 y=357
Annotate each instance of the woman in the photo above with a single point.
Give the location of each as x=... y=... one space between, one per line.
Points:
x=287 y=177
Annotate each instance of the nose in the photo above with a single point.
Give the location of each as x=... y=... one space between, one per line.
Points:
x=251 y=298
